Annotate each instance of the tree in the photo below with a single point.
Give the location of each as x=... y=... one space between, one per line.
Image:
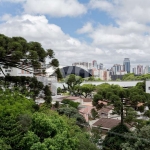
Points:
x=85 y=142
x=87 y=89
x=115 y=137
x=121 y=100
x=96 y=136
x=13 y=106
x=70 y=103
x=56 y=104
x=147 y=113
x=71 y=112
x=58 y=73
x=94 y=113
x=96 y=98
x=23 y=128
x=47 y=93
x=17 y=52
x=59 y=90
x=72 y=82
x=4 y=146
x=137 y=140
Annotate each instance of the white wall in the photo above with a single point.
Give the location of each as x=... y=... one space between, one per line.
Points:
x=147 y=86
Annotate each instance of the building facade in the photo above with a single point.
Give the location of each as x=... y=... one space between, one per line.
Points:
x=126 y=64
x=139 y=69
x=13 y=71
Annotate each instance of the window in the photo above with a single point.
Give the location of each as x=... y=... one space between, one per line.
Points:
x=148 y=88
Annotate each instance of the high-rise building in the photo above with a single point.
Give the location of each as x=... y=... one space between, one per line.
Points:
x=134 y=70
x=81 y=64
x=139 y=69
x=147 y=70
x=90 y=66
x=117 y=68
x=94 y=64
x=101 y=66
x=126 y=64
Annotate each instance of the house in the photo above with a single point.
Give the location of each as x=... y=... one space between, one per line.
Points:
x=87 y=101
x=107 y=112
x=85 y=111
x=85 y=108
x=102 y=102
x=107 y=124
x=75 y=99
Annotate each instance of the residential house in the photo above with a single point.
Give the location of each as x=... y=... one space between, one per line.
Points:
x=107 y=112
x=85 y=111
x=107 y=124
x=75 y=99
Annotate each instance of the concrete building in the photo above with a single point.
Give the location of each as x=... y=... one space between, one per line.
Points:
x=139 y=70
x=134 y=70
x=100 y=66
x=121 y=72
x=13 y=71
x=95 y=64
x=147 y=86
x=126 y=64
x=147 y=70
x=116 y=69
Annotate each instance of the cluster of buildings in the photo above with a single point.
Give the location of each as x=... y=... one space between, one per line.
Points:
x=98 y=70
x=95 y=69
x=125 y=68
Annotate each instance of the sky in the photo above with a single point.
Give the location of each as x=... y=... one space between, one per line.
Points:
x=82 y=30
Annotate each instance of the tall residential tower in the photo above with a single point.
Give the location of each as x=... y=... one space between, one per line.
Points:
x=126 y=64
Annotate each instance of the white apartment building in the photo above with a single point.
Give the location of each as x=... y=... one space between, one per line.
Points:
x=12 y=71
x=147 y=88
x=121 y=72
x=147 y=70
x=102 y=74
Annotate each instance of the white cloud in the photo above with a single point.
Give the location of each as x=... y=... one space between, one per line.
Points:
x=13 y=1
x=127 y=10
x=55 y=8
x=101 y=4
x=5 y=17
x=86 y=28
x=129 y=37
x=37 y=28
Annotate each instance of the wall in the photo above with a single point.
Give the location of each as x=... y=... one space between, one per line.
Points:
x=147 y=86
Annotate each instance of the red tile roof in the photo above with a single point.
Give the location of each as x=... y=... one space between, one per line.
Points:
x=104 y=110
x=99 y=102
x=73 y=98
x=107 y=123
x=87 y=100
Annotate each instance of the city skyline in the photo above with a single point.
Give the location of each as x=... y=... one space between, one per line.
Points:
x=97 y=64
x=103 y=30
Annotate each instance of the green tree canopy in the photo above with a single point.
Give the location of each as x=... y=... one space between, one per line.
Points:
x=73 y=84
x=115 y=137
x=17 y=52
x=137 y=140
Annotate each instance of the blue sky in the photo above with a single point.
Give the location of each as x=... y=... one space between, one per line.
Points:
x=82 y=30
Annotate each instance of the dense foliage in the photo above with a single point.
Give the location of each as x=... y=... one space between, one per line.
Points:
x=70 y=103
x=132 y=76
x=75 y=88
x=115 y=138
x=17 y=52
x=137 y=140
x=22 y=127
x=125 y=101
